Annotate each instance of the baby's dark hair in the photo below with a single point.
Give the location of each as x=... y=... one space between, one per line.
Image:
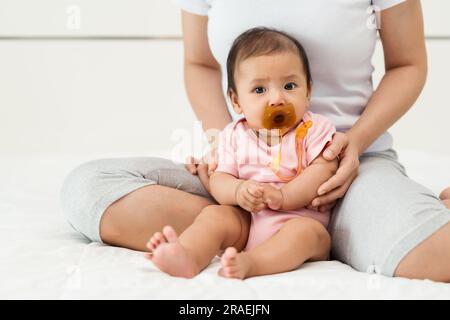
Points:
x=263 y=41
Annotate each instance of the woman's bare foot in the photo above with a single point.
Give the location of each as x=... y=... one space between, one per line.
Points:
x=445 y=197
x=167 y=253
x=235 y=265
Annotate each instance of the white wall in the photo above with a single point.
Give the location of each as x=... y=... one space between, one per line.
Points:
x=117 y=95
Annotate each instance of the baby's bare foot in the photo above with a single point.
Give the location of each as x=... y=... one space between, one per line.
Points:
x=235 y=265
x=170 y=256
x=445 y=197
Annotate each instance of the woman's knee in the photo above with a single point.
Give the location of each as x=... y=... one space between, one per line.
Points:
x=80 y=191
x=75 y=191
x=79 y=181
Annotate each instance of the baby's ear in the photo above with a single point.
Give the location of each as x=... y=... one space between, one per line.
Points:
x=234 y=101
x=310 y=87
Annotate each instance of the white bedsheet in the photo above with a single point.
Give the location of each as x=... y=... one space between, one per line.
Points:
x=41 y=257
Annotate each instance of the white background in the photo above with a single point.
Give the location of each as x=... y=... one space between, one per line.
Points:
x=126 y=94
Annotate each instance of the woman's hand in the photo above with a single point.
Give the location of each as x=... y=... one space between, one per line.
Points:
x=336 y=187
x=203 y=167
x=250 y=196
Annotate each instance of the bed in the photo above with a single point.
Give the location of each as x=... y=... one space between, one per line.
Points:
x=41 y=257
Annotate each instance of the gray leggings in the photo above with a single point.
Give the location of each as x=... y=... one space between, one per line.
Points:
x=382 y=217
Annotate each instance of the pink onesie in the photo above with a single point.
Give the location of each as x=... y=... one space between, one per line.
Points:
x=242 y=154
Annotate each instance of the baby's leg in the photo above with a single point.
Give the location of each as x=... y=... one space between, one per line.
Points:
x=216 y=227
x=300 y=239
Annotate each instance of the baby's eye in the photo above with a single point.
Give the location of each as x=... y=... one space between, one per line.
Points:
x=259 y=90
x=290 y=86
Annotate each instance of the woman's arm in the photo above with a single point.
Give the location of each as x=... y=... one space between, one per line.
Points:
x=202 y=74
x=405 y=56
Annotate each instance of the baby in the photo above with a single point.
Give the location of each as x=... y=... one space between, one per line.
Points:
x=270 y=167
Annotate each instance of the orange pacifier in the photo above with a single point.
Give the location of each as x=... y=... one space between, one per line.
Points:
x=280 y=117
x=283 y=117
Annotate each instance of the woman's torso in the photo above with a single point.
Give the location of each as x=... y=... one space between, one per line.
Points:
x=338 y=35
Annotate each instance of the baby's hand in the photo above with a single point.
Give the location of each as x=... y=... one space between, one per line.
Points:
x=273 y=196
x=249 y=196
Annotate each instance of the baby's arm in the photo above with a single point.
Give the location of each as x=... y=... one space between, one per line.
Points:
x=299 y=192
x=229 y=190
x=223 y=188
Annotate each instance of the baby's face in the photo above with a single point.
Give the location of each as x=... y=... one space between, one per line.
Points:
x=270 y=81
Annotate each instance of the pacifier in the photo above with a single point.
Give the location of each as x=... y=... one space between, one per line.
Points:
x=279 y=117
x=282 y=118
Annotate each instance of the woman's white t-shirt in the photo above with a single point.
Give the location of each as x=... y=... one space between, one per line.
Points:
x=339 y=37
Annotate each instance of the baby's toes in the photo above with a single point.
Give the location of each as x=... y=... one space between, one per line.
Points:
x=229 y=257
x=155 y=241
x=230 y=252
x=151 y=246
x=228 y=271
x=234 y=273
x=160 y=238
x=228 y=262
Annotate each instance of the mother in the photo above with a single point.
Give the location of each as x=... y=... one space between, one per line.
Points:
x=385 y=223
